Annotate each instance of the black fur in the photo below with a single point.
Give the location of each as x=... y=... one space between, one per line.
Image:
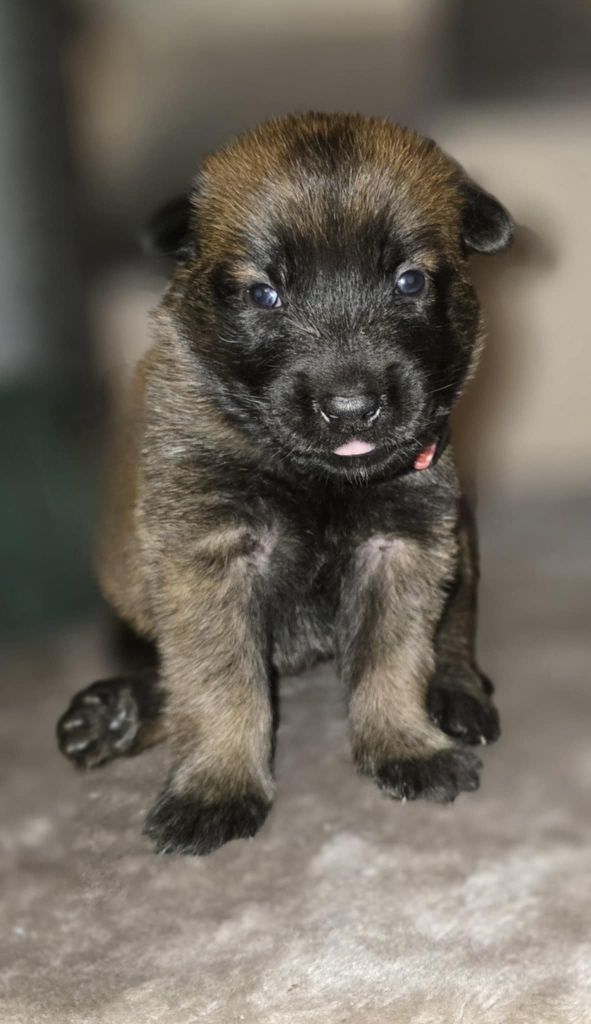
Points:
x=169 y=230
x=177 y=824
x=462 y=715
x=487 y=227
x=440 y=779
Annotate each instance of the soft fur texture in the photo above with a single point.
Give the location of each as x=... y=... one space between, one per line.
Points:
x=346 y=908
x=267 y=513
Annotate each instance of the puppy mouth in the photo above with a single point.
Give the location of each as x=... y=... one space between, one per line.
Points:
x=415 y=448
x=358 y=448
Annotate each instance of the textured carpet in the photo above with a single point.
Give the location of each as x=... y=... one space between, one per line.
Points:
x=347 y=907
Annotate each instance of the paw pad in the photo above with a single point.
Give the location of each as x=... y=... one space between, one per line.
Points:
x=101 y=723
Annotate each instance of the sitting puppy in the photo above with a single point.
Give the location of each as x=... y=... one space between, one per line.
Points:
x=287 y=494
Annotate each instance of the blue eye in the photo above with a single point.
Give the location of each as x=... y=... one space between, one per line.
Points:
x=411 y=282
x=264 y=296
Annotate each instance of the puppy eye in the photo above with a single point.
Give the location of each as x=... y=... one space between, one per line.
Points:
x=264 y=296
x=411 y=282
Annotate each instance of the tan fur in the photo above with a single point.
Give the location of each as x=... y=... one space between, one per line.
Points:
x=120 y=556
x=259 y=166
x=388 y=717
x=456 y=637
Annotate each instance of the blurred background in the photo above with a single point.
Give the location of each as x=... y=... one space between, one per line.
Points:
x=106 y=106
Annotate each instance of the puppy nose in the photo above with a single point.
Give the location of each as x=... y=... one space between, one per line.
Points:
x=350 y=408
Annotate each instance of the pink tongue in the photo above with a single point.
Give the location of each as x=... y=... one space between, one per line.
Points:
x=354 y=447
x=424 y=460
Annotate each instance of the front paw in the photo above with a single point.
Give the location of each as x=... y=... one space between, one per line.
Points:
x=465 y=716
x=182 y=823
x=440 y=777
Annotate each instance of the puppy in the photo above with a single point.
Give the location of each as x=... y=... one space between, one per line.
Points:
x=287 y=493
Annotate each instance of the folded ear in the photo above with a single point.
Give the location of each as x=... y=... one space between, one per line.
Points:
x=486 y=225
x=168 y=231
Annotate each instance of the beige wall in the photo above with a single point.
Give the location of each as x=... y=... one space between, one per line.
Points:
x=149 y=73
x=534 y=389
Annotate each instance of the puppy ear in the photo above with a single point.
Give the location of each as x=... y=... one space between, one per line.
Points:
x=168 y=232
x=486 y=225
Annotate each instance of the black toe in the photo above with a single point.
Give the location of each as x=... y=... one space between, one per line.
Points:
x=184 y=824
x=462 y=715
x=439 y=778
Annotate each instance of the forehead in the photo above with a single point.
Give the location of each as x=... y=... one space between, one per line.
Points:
x=326 y=180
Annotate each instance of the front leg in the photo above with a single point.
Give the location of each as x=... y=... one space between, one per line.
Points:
x=459 y=697
x=213 y=643
x=392 y=602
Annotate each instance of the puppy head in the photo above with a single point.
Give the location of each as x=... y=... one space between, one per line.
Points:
x=324 y=289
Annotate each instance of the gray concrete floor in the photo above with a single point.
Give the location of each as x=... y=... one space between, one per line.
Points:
x=346 y=907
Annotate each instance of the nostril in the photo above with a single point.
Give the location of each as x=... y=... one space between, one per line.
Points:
x=349 y=408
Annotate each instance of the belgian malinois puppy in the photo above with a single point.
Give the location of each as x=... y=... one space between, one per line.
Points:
x=287 y=493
